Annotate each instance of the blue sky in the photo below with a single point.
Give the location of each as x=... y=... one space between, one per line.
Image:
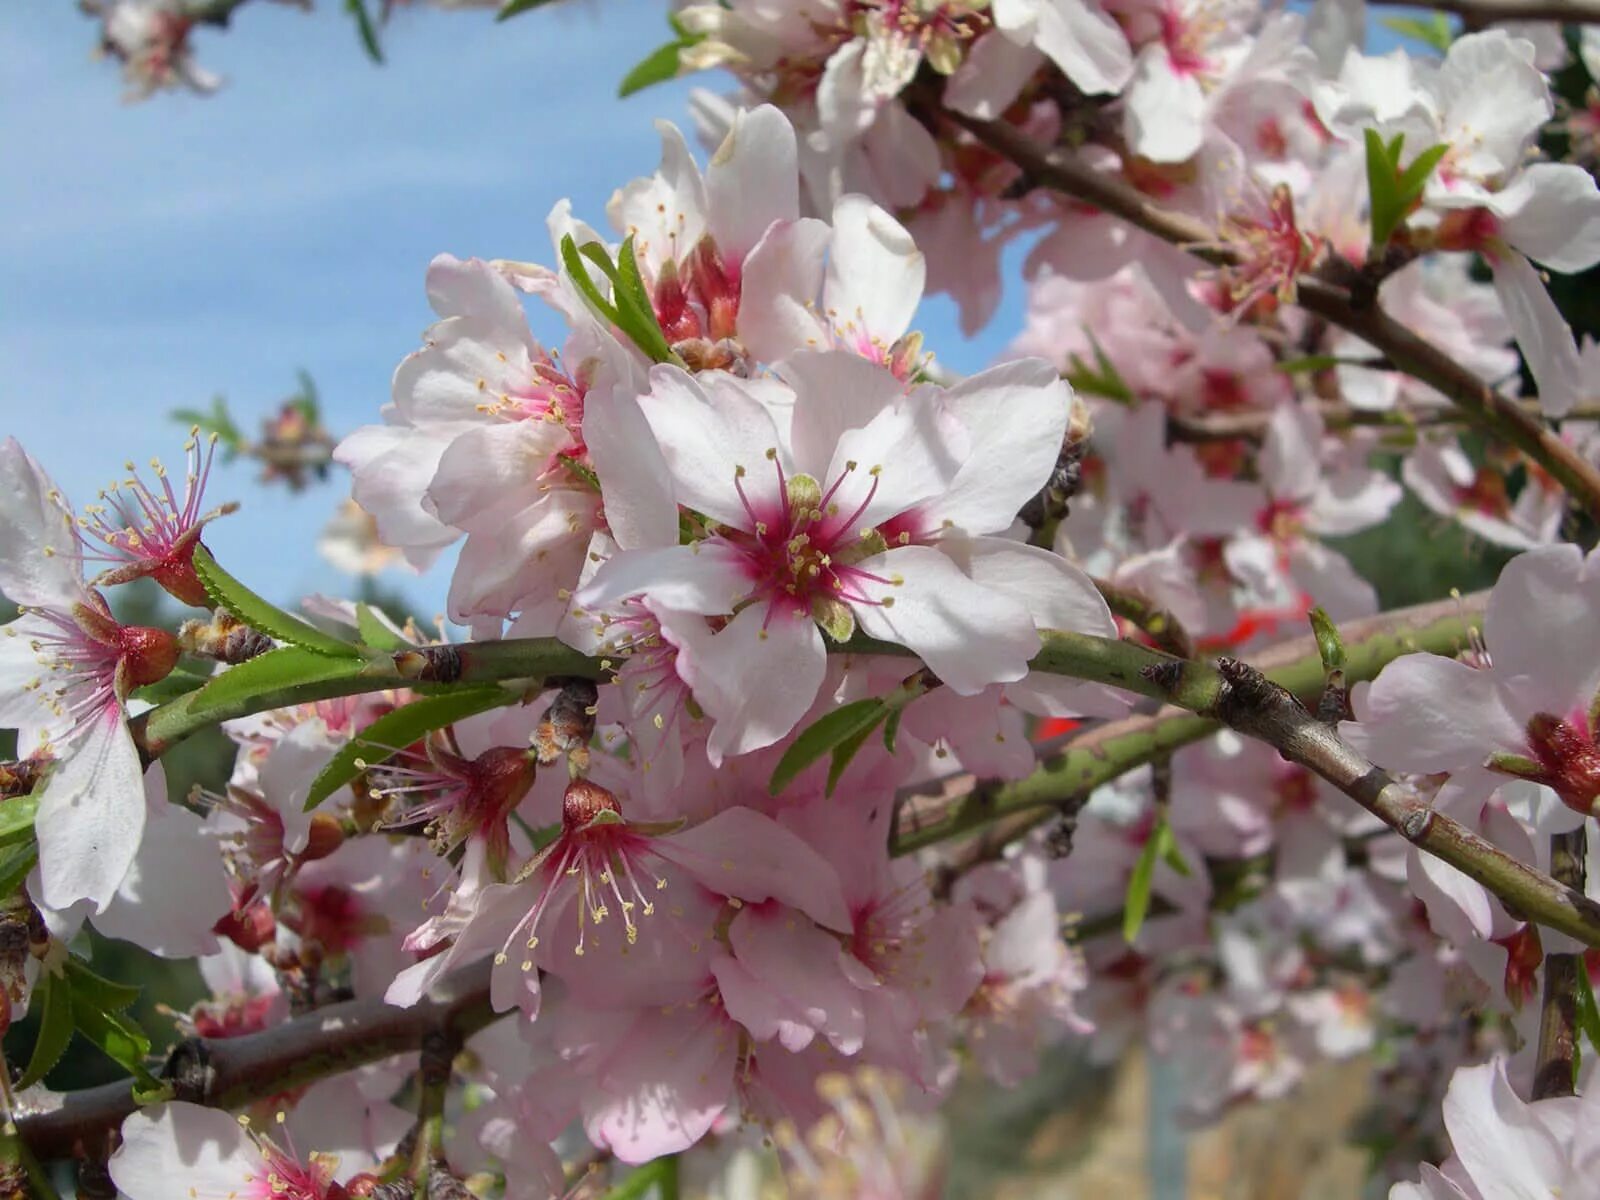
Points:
x=159 y=253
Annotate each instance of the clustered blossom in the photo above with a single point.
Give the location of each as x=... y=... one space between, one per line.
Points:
x=740 y=480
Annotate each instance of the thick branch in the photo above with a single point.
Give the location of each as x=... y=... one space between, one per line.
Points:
x=1477 y=13
x=230 y=1072
x=1065 y=172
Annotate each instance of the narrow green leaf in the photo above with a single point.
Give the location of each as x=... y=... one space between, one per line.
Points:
x=15 y=863
x=394 y=731
x=228 y=593
x=375 y=632
x=1415 y=177
x=16 y=817
x=287 y=666
x=633 y=299
x=107 y=994
x=52 y=995
x=1432 y=31
x=1136 y=904
x=513 y=8
x=847 y=749
x=119 y=1038
x=1588 y=1014
x=365 y=28
x=891 y=730
x=573 y=261
x=660 y=65
x=1382 y=189
x=823 y=735
x=1167 y=849
x=596 y=253
x=1329 y=644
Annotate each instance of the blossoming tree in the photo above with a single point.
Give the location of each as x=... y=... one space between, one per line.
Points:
x=815 y=722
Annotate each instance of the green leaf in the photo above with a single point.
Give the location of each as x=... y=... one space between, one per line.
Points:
x=847 y=749
x=107 y=994
x=1329 y=644
x=584 y=475
x=633 y=298
x=1432 y=31
x=820 y=738
x=515 y=7
x=1136 y=904
x=660 y=65
x=365 y=28
x=119 y=1038
x=891 y=730
x=1588 y=1016
x=1415 y=177
x=375 y=632
x=15 y=863
x=228 y=593
x=1168 y=850
x=287 y=666
x=573 y=261
x=16 y=818
x=52 y=996
x=394 y=731
x=1383 y=190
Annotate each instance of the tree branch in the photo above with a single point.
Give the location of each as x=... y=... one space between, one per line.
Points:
x=1065 y=172
x=230 y=1072
x=1477 y=13
x=1103 y=752
x=1558 y=1018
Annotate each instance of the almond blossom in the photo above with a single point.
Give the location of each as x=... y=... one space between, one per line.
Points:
x=66 y=668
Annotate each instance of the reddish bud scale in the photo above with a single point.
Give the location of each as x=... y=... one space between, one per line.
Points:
x=1571 y=761
x=324 y=838
x=583 y=802
x=249 y=929
x=1524 y=953
x=146 y=655
x=177 y=575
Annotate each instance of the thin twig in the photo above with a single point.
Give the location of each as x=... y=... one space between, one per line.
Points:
x=1558 y=1016
x=1065 y=172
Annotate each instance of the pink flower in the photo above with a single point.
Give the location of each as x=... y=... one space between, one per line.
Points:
x=1529 y=712
x=800 y=530
x=1505 y=1147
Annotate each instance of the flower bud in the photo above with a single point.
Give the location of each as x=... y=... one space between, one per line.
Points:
x=147 y=655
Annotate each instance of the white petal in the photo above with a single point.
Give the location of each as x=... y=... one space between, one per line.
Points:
x=707 y=434
x=968 y=635
x=757 y=677
x=1164 y=117
x=91 y=814
x=1057 y=594
x=778 y=294
x=183 y=1149
x=1016 y=415
x=834 y=392
x=1086 y=43
x=991 y=76
x=1429 y=713
x=875 y=275
x=40 y=562
x=753 y=180
x=701 y=578
x=1542 y=334
x=1558 y=221
x=176 y=889
x=633 y=474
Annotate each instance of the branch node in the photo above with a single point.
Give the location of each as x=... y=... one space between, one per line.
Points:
x=1164 y=675
x=190 y=1071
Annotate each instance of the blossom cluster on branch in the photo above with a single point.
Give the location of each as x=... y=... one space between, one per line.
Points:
x=759 y=606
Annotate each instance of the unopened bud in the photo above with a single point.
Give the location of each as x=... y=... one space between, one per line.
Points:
x=147 y=655
x=324 y=838
x=583 y=802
